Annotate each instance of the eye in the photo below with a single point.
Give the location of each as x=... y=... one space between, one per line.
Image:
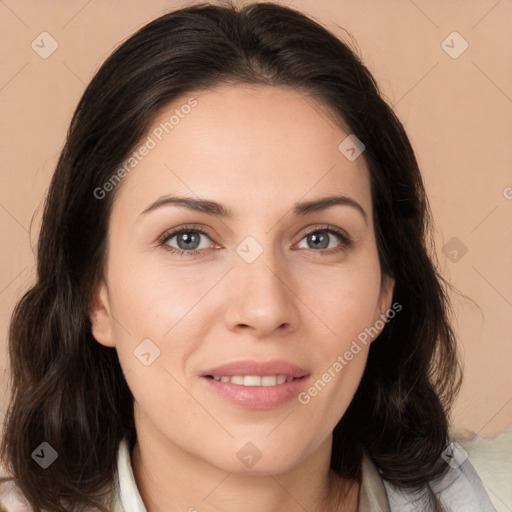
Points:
x=187 y=239
x=321 y=238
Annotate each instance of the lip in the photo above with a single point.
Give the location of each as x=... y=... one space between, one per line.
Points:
x=262 y=368
x=257 y=397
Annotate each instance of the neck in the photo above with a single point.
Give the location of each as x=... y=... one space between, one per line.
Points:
x=169 y=478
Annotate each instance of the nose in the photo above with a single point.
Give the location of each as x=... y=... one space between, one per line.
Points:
x=262 y=298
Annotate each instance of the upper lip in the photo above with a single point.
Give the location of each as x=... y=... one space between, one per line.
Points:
x=261 y=368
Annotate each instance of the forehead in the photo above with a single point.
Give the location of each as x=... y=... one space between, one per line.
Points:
x=250 y=147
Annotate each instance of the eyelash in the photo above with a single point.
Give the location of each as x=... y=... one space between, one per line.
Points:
x=346 y=241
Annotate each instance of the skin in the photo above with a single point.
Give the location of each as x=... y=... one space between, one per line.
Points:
x=258 y=150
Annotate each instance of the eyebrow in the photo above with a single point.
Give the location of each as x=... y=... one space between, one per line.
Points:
x=219 y=210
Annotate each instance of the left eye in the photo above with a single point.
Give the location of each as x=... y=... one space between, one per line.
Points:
x=321 y=240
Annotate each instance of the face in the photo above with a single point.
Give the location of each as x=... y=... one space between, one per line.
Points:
x=275 y=289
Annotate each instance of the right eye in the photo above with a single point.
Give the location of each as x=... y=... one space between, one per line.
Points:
x=187 y=240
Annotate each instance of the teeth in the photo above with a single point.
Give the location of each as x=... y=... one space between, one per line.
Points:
x=255 y=380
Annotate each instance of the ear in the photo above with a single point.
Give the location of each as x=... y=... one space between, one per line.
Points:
x=101 y=317
x=384 y=305
x=386 y=294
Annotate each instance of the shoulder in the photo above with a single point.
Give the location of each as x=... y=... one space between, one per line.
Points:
x=476 y=478
x=492 y=460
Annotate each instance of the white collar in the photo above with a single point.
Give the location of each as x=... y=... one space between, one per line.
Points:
x=128 y=499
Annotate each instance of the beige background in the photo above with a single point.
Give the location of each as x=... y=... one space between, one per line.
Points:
x=458 y=113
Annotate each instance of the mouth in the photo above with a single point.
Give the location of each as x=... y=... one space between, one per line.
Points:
x=253 y=370
x=255 y=380
x=256 y=385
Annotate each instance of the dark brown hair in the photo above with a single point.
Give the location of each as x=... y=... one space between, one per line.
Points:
x=70 y=391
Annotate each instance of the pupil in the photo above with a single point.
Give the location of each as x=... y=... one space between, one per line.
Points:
x=315 y=237
x=189 y=239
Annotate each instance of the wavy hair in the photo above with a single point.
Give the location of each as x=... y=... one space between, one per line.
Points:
x=70 y=391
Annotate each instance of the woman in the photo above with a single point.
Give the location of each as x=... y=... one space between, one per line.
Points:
x=235 y=305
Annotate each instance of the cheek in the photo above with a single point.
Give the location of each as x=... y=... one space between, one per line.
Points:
x=159 y=332
x=160 y=313
x=341 y=364
x=344 y=300
x=156 y=300
x=346 y=308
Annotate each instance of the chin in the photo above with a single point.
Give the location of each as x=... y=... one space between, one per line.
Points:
x=248 y=458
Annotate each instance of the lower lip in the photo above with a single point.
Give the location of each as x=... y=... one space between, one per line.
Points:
x=257 y=397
